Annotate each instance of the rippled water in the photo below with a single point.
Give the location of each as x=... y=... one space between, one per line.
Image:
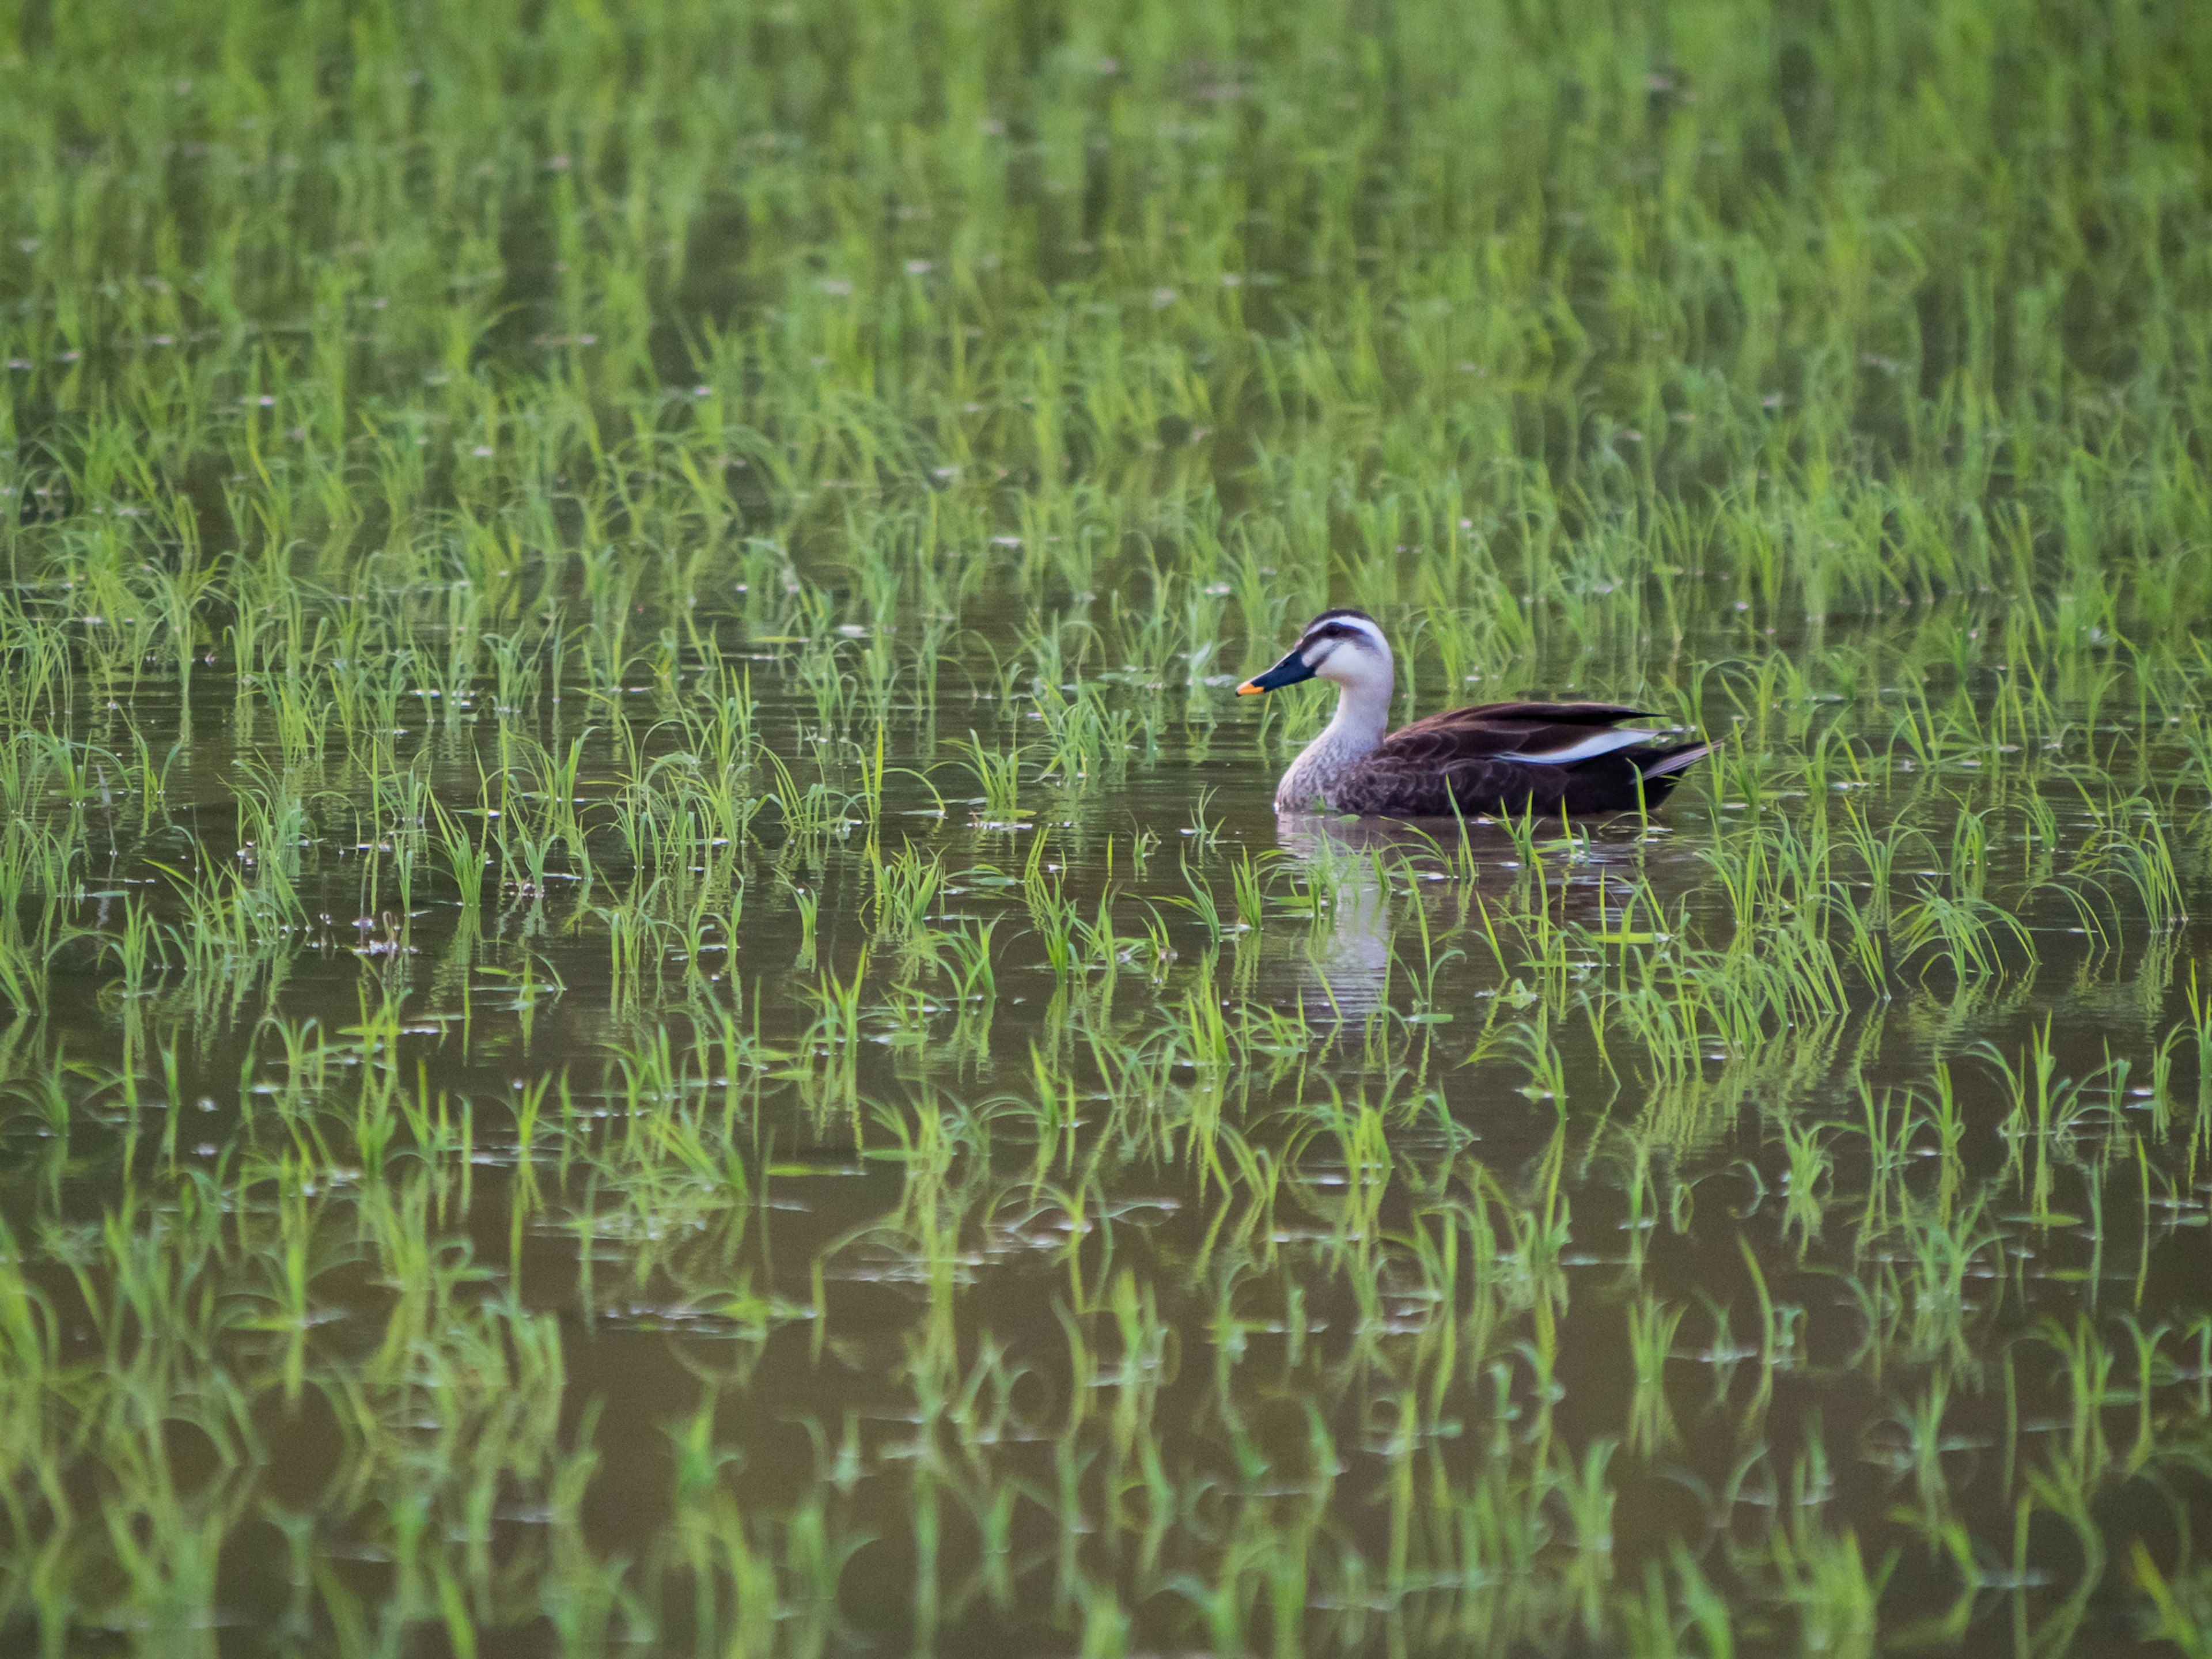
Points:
x=1296 y=1260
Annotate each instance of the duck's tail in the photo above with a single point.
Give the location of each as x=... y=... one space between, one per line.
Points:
x=1653 y=763
x=1657 y=770
x=1627 y=780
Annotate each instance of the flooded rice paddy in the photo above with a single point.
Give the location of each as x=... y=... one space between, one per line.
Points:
x=649 y=997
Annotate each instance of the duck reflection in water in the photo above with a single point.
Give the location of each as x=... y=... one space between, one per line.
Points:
x=1346 y=867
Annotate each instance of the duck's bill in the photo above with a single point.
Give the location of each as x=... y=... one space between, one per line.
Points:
x=1289 y=671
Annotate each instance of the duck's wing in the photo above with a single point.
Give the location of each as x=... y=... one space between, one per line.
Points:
x=1533 y=733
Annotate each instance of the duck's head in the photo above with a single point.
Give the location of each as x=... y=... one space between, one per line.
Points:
x=1344 y=646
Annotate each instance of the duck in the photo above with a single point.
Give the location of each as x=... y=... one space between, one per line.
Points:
x=1492 y=760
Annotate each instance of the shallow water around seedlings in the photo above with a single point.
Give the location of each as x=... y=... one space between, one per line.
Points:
x=649 y=999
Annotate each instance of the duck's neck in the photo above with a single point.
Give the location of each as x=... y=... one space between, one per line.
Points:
x=1362 y=714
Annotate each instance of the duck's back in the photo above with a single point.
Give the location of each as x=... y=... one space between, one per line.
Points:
x=1497 y=759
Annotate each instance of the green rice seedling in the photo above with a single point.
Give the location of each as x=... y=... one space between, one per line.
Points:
x=1963 y=935
x=1200 y=904
x=137 y=949
x=1589 y=1502
x=1250 y=886
x=2132 y=845
x=907 y=890
x=1084 y=741
x=1205 y=834
x=464 y=858
x=2180 y=1608
x=998 y=774
x=1807 y=1182
x=1827 y=1578
x=837 y=1004
x=968 y=951
x=1651 y=1333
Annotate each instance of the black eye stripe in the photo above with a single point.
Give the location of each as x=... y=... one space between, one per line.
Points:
x=1329 y=631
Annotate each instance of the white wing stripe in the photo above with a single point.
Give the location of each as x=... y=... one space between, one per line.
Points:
x=1598 y=743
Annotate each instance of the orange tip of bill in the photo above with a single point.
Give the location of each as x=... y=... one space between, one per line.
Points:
x=1250 y=688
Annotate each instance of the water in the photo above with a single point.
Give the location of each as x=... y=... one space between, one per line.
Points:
x=1297 y=1261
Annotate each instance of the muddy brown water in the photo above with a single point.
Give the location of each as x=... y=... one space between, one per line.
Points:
x=990 y=1383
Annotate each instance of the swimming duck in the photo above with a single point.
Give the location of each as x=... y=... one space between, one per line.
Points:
x=1496 y=759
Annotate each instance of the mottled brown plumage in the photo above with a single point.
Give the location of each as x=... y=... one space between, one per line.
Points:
x=1485 y=762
